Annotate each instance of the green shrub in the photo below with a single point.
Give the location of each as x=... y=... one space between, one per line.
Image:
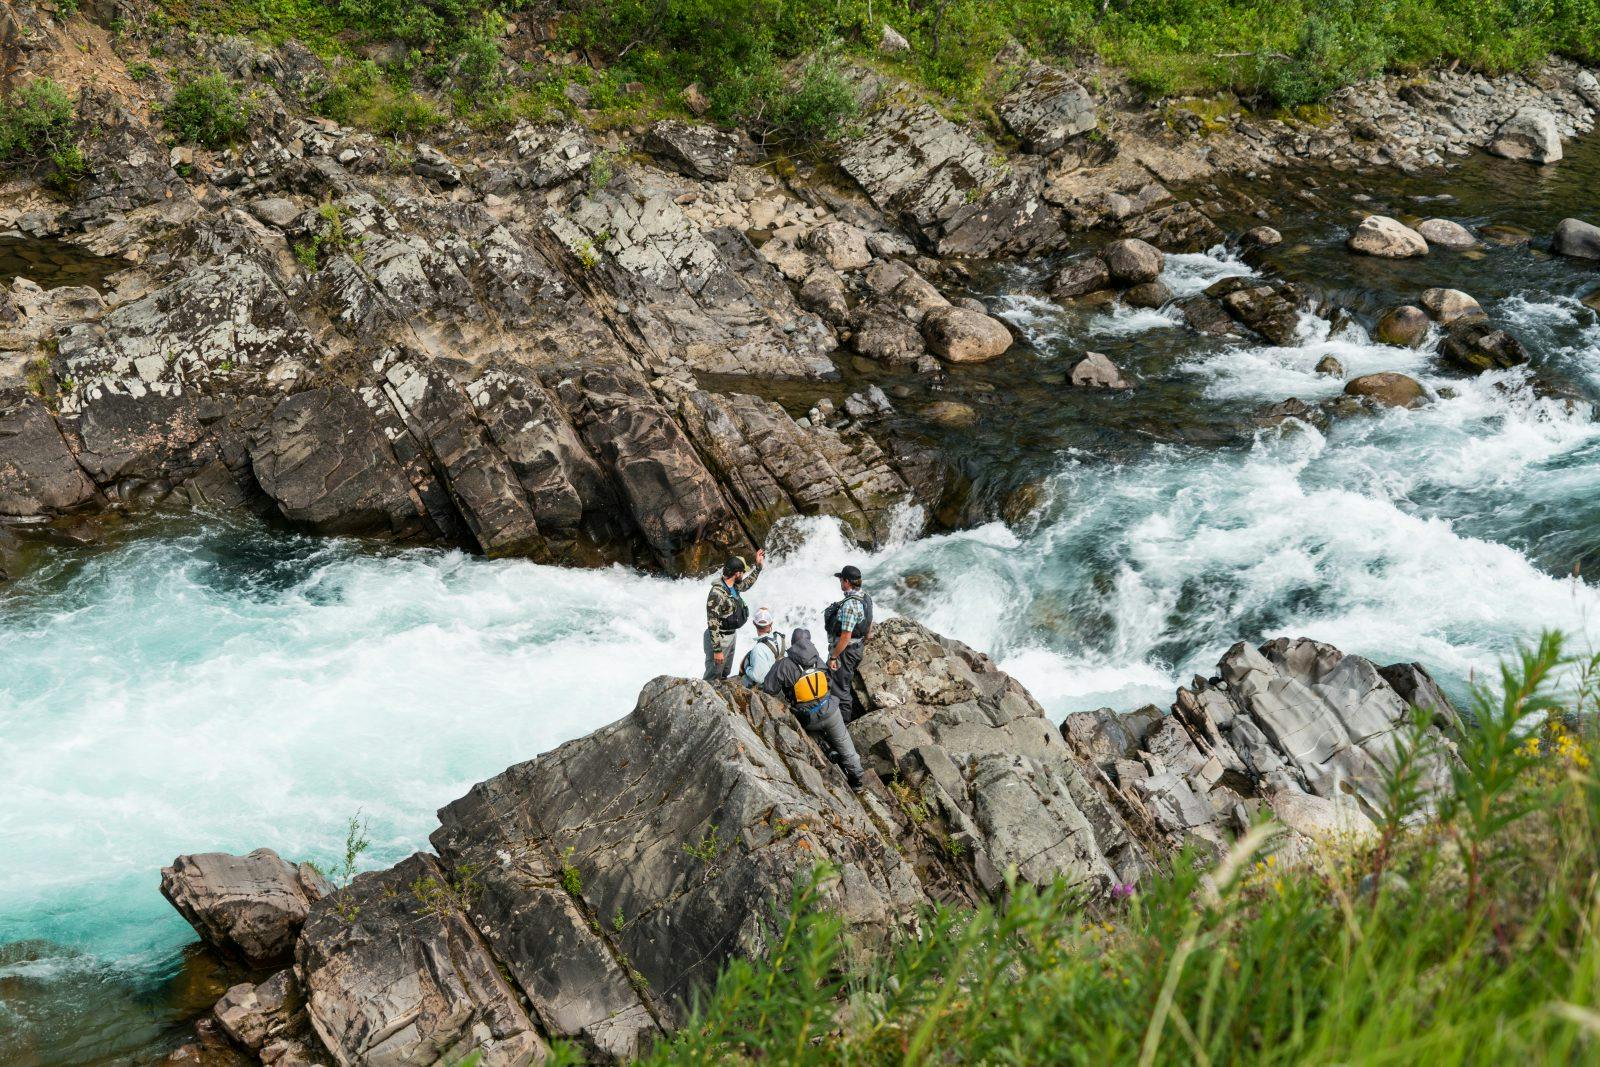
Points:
x=402 y=113
x=1337 y=45
x=208 y=110
x=816 y=107
x=35 y=122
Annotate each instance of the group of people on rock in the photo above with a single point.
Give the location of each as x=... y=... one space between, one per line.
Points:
x=820 y=692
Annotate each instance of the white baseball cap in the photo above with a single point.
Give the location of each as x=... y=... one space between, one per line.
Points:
x=763 y=616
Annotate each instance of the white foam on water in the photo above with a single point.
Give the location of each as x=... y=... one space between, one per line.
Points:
x=1187 y=273
x=1271 y=372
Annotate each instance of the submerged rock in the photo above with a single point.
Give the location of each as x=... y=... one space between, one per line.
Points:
x=1379 y=235
x=248 y=907
x=1389 y=389
x=1096 y=371
x=1443 y=233
x=1478 y=346
x=1405 y=326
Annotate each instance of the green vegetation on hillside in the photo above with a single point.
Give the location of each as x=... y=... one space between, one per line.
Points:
x=36 y=129
x=1467 y=938
x=1289 y=52
x=774 y=65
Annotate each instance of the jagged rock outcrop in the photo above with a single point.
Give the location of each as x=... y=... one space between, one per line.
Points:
x=1296 y=728
x=396 y=973
x=920 y=167
x=589 y=893
x=38 y=474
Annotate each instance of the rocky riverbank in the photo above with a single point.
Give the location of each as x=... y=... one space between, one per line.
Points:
x=587 y=894
x=499 y=342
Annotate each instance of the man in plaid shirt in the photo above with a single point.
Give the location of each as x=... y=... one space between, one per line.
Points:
x=849 y=623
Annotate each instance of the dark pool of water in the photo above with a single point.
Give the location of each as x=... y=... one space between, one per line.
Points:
x=54 y=263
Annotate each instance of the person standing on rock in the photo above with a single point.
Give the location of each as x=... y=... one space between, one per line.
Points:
x=726 y=611
x=848 y=622
x=800 y=679
x=770 y=648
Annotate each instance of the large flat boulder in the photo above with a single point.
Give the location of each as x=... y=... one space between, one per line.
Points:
x=247 y=907
x=396 y=974
x=1047 y=108
x=1530 y=135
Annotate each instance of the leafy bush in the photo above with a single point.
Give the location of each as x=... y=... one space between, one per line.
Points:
x=1465 y=939
x=816 y=107
x=1337 y=45
x=35 y=122
x=208 y=110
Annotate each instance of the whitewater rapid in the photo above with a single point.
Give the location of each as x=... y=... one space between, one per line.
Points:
x=222 y=686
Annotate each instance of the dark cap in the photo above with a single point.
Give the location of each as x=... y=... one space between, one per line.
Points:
x=850 y=573
x=734 y=565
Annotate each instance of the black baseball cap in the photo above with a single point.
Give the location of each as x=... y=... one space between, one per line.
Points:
x=850 y=573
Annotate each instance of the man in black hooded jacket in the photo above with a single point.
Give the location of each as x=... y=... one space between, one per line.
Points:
x=825 y=725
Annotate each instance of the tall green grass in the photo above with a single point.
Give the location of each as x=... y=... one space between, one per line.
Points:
x=1463 y=931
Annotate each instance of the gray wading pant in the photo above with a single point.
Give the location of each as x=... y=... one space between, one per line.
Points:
x=843 y=680
x=712 y=644
x=830 y=733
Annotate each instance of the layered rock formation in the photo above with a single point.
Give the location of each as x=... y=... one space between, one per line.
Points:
x=588 y=894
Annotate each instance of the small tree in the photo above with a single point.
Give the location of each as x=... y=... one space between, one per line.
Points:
x=208 y=111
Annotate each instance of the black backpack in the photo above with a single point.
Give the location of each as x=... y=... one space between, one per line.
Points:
x=830 y=617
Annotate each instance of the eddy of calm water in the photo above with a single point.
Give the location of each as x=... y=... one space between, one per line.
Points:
x=212 y=685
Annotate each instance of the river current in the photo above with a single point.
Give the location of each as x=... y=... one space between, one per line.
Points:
x=208 y=684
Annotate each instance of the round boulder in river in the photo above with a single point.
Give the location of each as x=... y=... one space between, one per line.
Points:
x=1405 y=326
x=1087 y=275
x=1096 y=371
x=1450 y=306
x=1132 y=261
x=1147 y=295
x=1379 y=235
x=963 y=336
x=1576 y=238
x=1330 y=366
x=1261 y=237
x=1442 y=233
x=1388 y=388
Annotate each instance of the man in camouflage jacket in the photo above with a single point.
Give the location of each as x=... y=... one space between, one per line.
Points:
x=726 y=612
